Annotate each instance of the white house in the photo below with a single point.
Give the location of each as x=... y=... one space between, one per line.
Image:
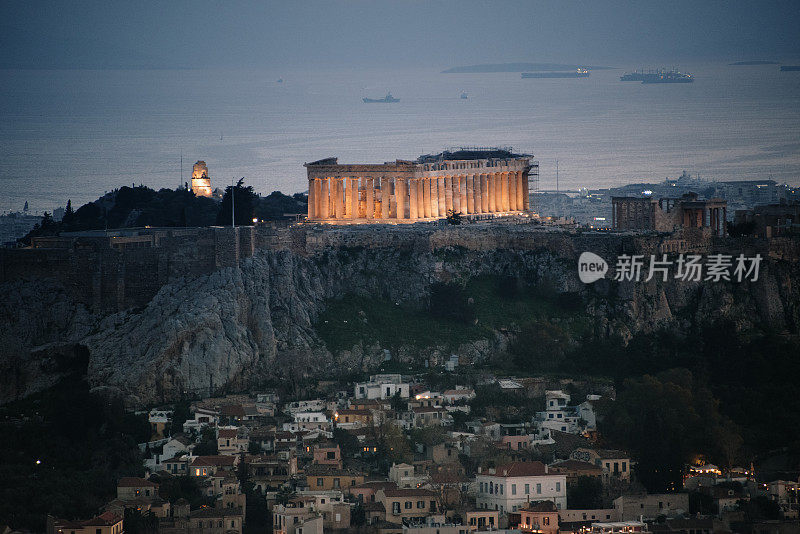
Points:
x=314 y=405
x=307 y=421
x=382 y=387
x=202 y=417
x=451 y=396
x=559 y=416
x=510 y=487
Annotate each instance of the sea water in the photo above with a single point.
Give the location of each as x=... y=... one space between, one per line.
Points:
x=75 y=134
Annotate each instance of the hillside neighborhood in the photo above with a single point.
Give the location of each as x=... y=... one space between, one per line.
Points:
x=390 y=455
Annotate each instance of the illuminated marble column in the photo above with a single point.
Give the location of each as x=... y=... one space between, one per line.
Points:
x=386 y=197
x=483 y=205
x=442 y=201
x=348 y=199
x=518 y=179
x=490 y=182
x=448 y=194
x=339 y=198
x=504 y=203
x=498 y=201
x=400 y=197
x=462 y=193
x=420 y=201
x=370 y=209
x=457 y=194
x=470 y=194
x=426 y=197
x=352 y=198
x=311 y=198
x=512 y=191
x=324 y=213
x=434 y=196
x=526 y=197
x=412 y=202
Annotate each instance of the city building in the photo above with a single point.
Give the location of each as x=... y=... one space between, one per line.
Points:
x=105 y=523
x=510 y=487
x=539 y=517
x=669 y=214
x=771 y=220
x=407 y=504
x=473 y=182
x=633 y=507
x=383 y=386
x=614 y=463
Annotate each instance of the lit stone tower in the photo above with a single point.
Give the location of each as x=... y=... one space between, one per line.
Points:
x=201 y=183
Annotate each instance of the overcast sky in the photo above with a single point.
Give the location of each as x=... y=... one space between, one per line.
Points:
x=182 y=34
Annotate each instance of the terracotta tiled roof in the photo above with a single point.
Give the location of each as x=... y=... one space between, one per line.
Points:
x=519 y=469
x=458 y=392
x=376 y=485
x=576 y=465
x=227 y=433
x=218 y=460
x=232 y=410
x=104 y=519
x=408 y=492
x=542 y=506
x=134 y=482
x=611 y=454
x=354 y=412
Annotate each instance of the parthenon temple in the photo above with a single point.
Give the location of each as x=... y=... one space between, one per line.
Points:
x=471 y=182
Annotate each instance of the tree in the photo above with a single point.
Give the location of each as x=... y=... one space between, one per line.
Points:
x=284 y=494
x=453 y=217
x=585 y=493
x=244 y=201
x=348 y=443
x=208 y=443
x=397 y=402
x=180 y=415
x=665 y=420
x=69 y=214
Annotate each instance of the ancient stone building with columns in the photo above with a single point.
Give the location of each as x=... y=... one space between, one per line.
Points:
x=491 y=182
x=669 y=214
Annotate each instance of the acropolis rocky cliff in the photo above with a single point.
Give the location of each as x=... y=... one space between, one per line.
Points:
x=192 y=311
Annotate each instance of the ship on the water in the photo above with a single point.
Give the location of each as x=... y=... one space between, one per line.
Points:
x=580 y=73
x=790 y=68
x=388 y=99
x=657 y=76
x=634 y=76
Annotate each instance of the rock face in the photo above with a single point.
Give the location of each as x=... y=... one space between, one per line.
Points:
x=238 y=326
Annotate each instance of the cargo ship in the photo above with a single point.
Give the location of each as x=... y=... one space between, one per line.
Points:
x=790 y=68
x=634 y=76
x=388 y=99
x=580 y=73
x=671 y=76
x=658 y=76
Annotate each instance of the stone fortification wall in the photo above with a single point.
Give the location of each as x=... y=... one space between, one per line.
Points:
x=109 y=279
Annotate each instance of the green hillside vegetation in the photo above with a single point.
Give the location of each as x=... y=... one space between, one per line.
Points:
x=454 y=315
